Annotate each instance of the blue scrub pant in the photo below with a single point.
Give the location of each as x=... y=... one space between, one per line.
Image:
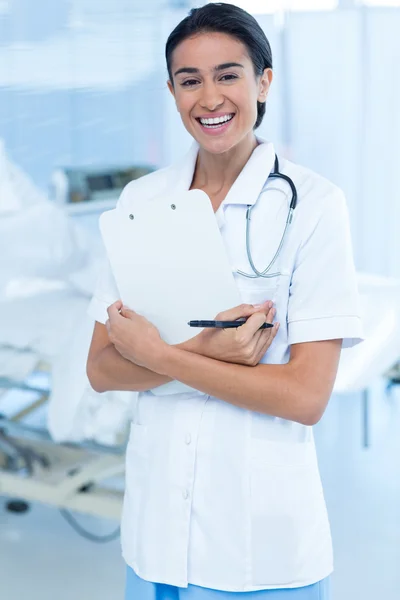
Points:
x=139 y=589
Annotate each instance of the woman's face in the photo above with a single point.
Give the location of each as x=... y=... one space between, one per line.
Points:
x=216 y=90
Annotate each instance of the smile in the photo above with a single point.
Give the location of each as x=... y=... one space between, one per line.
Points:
x=215 y=122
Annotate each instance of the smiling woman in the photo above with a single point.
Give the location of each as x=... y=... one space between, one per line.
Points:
x=227 y=98
x=223 y=493
x=240 y=82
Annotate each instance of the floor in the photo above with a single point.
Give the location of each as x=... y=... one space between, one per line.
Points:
x=43 y=558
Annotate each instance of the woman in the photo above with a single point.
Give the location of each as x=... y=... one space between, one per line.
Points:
x=223 y=493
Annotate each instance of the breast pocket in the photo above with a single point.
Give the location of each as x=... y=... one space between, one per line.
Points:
x=257 y=290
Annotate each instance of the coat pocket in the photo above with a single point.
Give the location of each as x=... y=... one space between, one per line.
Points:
x=287 y=509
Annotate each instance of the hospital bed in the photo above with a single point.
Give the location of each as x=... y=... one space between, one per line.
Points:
x=60 y=442
x=69 y=476
x=62 y=467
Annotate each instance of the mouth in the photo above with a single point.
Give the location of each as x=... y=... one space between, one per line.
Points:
x=215 y=124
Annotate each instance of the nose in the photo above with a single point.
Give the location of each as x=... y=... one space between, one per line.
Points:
x=211 y=98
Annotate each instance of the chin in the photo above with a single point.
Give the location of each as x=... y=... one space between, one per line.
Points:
x=216 y=146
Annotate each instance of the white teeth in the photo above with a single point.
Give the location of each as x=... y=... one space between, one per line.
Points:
x=216 y=120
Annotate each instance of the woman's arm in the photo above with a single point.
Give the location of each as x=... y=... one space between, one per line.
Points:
x=109 y=367
x=107 y=370
x=298 y=391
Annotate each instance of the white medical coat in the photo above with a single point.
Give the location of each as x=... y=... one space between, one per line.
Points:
x=220 y=496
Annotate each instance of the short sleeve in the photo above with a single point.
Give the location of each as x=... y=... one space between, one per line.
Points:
x=106 y=293
x=323 y=298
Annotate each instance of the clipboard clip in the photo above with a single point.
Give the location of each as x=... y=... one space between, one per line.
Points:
x=131 y=216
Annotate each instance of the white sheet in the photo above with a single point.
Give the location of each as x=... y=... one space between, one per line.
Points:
x=53 y=326
x=37 y=237
x=17 y=191
x=48 y=269
x=76 y=411
x=16 y=365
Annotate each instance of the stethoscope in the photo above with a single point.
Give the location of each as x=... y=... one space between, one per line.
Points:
x=274 y=175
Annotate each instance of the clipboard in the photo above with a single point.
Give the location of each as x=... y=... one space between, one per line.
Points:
x=170 y=264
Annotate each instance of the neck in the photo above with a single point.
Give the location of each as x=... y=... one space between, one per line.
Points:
x=217 y=172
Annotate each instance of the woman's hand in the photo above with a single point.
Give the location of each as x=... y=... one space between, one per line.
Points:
x=133 y=336
x=139 y=341
x=244 y=345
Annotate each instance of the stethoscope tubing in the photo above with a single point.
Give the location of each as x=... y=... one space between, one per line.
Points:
x=293 y=203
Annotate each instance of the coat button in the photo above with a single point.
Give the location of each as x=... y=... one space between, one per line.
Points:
x=188 y=439
x=185 y=494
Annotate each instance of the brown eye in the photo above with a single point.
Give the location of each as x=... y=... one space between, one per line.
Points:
x=228 y=77
x=189 y=82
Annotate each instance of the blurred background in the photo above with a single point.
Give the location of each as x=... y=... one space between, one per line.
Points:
x=84 y=108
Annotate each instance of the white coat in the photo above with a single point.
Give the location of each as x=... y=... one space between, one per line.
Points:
x=220 y=496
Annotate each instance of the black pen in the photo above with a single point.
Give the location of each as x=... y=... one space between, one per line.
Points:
x=225 y=324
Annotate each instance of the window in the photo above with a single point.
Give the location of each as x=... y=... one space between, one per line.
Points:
x=393 y=3
x=271 y=6
x=5 y=7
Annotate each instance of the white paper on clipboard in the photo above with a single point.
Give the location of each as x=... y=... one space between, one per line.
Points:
x=170 y=264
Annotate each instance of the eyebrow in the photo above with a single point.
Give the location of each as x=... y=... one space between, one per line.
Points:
x=216 y=68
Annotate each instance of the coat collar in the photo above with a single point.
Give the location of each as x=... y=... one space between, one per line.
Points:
x=248 y=185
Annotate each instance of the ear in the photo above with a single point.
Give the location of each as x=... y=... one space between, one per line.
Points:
x=264 y=84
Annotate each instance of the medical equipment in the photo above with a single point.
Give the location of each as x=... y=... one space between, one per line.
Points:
x=92 y=189
x=69 y=476
x=293 y=202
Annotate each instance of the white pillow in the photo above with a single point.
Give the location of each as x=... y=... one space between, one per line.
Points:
x=41 y=241
x=19 y=191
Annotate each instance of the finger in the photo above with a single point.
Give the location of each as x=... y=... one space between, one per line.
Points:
x=127 y=312
x=113 y=309
x=264 y=307
x=254 y=322
x=261 y=334
x=108 y=327
x=269 y=318
x=270 y=315
x=243 y=310
x=265 y=342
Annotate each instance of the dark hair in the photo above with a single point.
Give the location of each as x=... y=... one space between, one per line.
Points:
x=233 y=21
